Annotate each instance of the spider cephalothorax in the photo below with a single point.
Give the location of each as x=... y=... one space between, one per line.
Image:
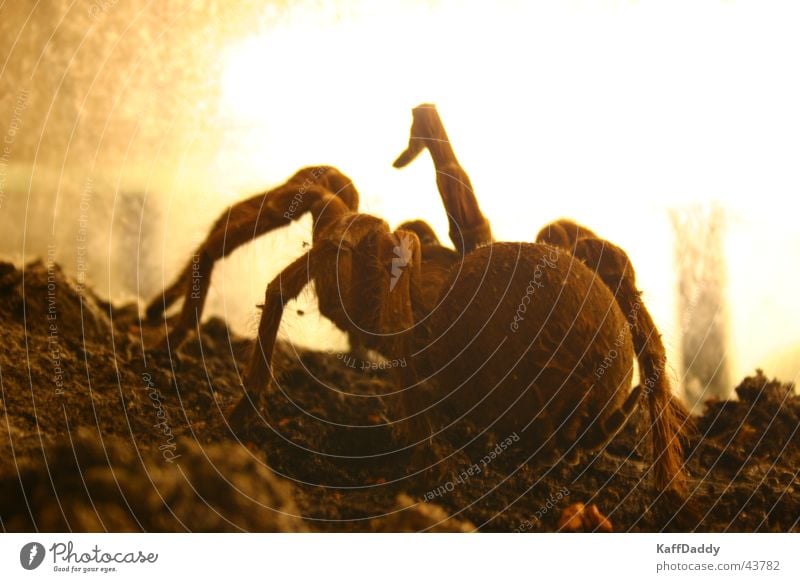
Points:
x=532 y=338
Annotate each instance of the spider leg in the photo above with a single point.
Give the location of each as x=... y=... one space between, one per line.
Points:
x=237 y=217
x=282 y=289
x=401 y=307
x=469 y=228
x=394 y=316
x=262 y=213
x=423 y=230
x=601 y=433
x=670 y=419
x=242 y=223
x=437 y=261
x=564 y=234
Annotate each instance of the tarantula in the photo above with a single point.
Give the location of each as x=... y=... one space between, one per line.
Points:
x=536 y=338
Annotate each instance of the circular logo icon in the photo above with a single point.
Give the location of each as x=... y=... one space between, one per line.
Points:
x=31 y=555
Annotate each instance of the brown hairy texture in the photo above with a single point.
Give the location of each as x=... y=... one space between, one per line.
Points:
x=365 y=277
x=469 y=228
x=524 y=339
x=240 y=224
x=564 y=233
x=516 y=344
x=423 y=231
x=670 y=419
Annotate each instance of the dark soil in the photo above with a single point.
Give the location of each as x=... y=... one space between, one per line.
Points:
x=97 y=435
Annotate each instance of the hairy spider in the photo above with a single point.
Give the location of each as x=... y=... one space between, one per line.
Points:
x=538 y=337
x=531 y=338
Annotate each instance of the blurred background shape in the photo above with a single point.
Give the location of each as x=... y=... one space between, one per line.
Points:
x=702 y=303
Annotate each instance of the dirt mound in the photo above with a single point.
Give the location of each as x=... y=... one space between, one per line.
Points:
x=103 y=435
x=50 y=305
x=107 y=484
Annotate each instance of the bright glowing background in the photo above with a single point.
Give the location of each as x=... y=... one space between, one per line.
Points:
x=610 y=113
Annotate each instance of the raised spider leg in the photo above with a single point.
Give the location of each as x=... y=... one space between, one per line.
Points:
x=239 y=225
x=469 y=228
x=669 y=417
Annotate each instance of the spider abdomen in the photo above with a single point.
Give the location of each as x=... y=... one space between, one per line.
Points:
x=526 y=339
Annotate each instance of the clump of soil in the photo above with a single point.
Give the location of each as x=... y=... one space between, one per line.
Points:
x=108 y=484
x=100 y=434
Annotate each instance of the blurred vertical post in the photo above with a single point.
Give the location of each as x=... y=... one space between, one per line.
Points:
x=702 y=303
x=136 y=228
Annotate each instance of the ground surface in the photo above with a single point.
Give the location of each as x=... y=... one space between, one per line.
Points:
x=96 y=436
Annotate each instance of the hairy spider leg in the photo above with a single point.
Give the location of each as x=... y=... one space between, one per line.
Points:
x=469 y=228
x=240 y=224
x=670 y=419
